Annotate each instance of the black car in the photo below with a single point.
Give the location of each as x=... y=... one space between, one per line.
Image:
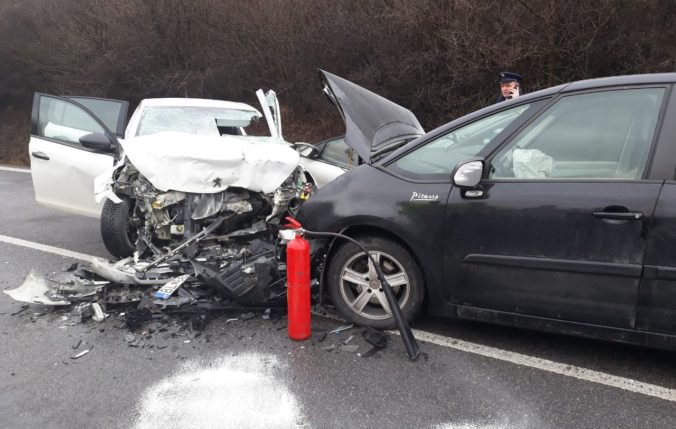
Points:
x=553 y=211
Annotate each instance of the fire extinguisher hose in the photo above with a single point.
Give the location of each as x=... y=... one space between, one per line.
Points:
x=407 y=336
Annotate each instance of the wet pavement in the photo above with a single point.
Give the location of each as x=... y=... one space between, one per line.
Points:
x=249 y=374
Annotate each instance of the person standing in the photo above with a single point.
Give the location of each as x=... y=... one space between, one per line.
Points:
x=510 y=86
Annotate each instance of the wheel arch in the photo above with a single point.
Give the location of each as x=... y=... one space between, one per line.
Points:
x=357 y=230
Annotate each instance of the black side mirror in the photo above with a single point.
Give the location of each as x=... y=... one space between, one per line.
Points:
x=467 y=174
x=98 y=142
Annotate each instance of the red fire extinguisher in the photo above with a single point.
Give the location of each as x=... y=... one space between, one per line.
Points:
x=298 y=285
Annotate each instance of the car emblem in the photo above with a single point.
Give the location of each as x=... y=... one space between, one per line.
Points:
x=420 y=196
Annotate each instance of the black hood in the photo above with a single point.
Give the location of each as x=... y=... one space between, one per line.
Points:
x=373 y=124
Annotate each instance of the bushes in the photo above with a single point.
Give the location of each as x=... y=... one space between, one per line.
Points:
x=440 y=58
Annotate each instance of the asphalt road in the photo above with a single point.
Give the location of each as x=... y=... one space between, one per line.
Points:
x=249 y=374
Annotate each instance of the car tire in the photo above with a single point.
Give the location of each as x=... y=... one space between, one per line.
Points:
x=355 y=294
x=117 y=230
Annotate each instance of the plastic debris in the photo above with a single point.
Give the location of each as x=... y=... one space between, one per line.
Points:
x=82 y=312
x=82 y=353
x=340 y=329
x=377 y=339
x=350 y=348
x=99 y=314
x=37 y=290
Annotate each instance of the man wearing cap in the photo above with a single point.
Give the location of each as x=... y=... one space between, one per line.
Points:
x=510 y=86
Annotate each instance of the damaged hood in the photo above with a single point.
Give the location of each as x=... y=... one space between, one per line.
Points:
x=210 y=164
x=373 y=124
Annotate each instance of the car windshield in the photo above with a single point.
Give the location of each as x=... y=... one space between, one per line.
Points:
x=208 y=121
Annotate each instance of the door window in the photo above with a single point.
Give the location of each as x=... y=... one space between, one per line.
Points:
x=111 y=112
x=602 y=135
x=437 y=158
x=64 y=121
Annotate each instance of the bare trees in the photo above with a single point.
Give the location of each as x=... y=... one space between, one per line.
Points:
x=438 y=57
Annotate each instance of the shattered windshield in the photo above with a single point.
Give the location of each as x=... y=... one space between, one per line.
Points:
x=204 y=121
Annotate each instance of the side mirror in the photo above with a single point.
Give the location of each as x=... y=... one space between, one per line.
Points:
x=98 y=142
x=468 y=174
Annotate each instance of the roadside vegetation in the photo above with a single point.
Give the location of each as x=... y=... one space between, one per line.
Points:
x=439 y=58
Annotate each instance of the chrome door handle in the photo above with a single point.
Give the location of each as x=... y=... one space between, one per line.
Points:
x=619 y=215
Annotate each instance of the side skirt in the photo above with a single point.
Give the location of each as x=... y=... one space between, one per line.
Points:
x=627 y=336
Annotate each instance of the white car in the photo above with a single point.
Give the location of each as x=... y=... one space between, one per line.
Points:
x=185 y=146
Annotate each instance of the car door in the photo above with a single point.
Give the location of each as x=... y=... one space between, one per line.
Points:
x=333 y=158
x=63 y=170
x=557 y=229
x=657 y=294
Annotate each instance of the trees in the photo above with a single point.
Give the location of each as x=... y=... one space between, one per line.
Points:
x=440 y=58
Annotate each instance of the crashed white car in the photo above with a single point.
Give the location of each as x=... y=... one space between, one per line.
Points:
x=180 y=165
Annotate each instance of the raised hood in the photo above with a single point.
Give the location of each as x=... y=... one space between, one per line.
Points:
x=373 y=124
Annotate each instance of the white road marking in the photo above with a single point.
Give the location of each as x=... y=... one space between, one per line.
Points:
x=549 y=366
x=46 y=248
x=580 y=373
x=15 y=169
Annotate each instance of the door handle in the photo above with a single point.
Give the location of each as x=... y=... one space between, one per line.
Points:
x=40 y=155
x=619 y=215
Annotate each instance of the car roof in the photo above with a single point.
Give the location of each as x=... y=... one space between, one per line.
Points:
x=635 y=79
x=196 y=102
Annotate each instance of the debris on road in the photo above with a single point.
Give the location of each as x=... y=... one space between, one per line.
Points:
x=20 y=310
x=82 y=353
x=38 y=290
x=377 y=339
x=99 y=314
x=350 y=348
x=340 y=329
x=217 y=249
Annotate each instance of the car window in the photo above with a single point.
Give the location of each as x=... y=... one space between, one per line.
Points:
x=602 y=135
x=108 y=111
x=437 y=158
x=64 y=121
x=338 y=152
x=193 y=120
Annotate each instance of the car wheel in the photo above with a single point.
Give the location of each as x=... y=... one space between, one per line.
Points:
x=118 y=228
x=354 y=287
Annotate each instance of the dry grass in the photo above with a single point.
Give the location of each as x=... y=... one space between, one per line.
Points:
x=14 y=137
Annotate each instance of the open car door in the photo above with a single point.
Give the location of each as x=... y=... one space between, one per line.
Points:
x=63 y=169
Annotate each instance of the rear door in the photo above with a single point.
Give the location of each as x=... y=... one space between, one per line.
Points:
x=558 y=230
x=63 y=170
